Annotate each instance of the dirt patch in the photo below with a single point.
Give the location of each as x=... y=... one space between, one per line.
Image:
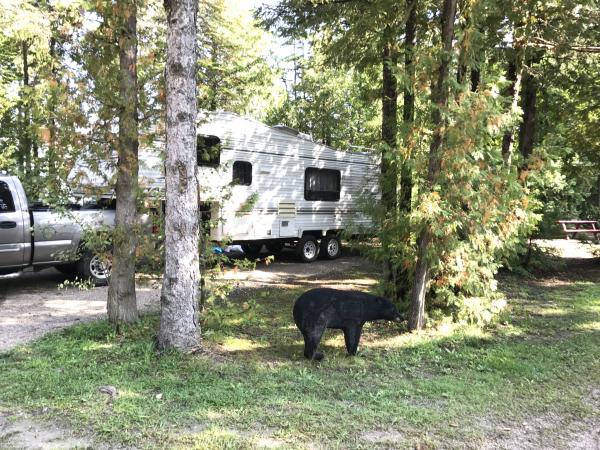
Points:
x=577 y=262
x=19 y=432
x=549 y=431
x=32 y=305
x=383 y=437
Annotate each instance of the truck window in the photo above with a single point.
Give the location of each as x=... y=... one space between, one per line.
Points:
x=208 y=149
x=242 y=173
x=322 y=184
x=6 y=201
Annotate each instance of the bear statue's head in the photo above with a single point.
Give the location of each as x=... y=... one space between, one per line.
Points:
x=387 y=310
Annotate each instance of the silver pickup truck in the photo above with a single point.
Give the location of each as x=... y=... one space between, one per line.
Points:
x=41 y=237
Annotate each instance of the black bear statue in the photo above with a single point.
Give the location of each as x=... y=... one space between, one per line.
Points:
x=348 y=311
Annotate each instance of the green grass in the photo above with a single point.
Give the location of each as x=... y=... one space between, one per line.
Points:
x=446 y=387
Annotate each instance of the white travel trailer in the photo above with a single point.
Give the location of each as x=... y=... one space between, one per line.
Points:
x=272 y=186
x=275 y=186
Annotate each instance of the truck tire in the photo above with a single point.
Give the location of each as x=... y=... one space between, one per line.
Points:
x=331 y=247
x=92 y=267
x=307 y=249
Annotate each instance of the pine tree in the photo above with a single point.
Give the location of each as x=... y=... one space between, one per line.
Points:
x=439 y=98
x=122 y=305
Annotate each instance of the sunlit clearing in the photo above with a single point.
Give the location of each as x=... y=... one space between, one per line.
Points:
x=235 y=344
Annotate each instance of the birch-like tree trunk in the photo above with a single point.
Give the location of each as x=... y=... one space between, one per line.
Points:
x=416 y=317
x=122 y=305
x=179 y=327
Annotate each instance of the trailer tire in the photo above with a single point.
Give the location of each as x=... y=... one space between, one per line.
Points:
x=331 y=247
x=307 y=249
x=91 y=267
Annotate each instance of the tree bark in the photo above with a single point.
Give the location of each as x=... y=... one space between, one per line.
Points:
x=440 y=99
x=122 y=304
x=598 y=185
x=475 y=79
x=179 y=328
x=527 y=129
x=389 y=133
x=389 y=123
x=408 y=115
x=514 y=74
x=25 y=135
x=408 y=107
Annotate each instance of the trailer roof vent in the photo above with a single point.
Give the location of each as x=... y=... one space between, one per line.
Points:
x=287 y=130
x=293 y=132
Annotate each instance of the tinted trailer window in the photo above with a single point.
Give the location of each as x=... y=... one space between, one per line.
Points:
x=322 y=184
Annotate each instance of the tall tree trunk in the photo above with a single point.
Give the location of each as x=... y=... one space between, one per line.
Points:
x=25 y=137
x=52 y=105
x=475 y=79
x=122 y=305
x=598 y=185
x=389 y=132
x=514 y=74
x=408 y=115
x=527 y=129
x=440 y=99
x=389 y=122
x=408 y=107
x=179 y=327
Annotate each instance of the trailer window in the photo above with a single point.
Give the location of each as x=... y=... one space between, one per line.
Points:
x=208 y=149
x=242 y=173
x=322 y=184
x=6 y=201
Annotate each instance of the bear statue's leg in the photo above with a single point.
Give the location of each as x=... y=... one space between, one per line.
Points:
x=352 y=336
x=312 y=338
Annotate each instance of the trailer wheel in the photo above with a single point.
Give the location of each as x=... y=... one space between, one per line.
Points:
x=307 y=249
x=251 y=249
x=331 y=247
x=94 y=267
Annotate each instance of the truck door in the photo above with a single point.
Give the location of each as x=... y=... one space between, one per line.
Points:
x=12 y=227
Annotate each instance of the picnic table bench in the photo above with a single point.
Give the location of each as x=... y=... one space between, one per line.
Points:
x=572 y=227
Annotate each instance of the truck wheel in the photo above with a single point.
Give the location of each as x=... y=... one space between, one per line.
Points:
x=93 y=267
x=331 y=247
x=251 y=249
x=307 y=249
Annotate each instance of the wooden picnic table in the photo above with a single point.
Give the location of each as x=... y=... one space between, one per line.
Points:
x=572 y=227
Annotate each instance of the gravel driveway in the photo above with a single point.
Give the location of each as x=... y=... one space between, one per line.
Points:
x=32 y=305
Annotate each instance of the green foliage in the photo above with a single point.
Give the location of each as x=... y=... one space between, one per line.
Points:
x=483 y=207
x=234 y=73
x=248 y=205
x=335 y=106
x=59 y=105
